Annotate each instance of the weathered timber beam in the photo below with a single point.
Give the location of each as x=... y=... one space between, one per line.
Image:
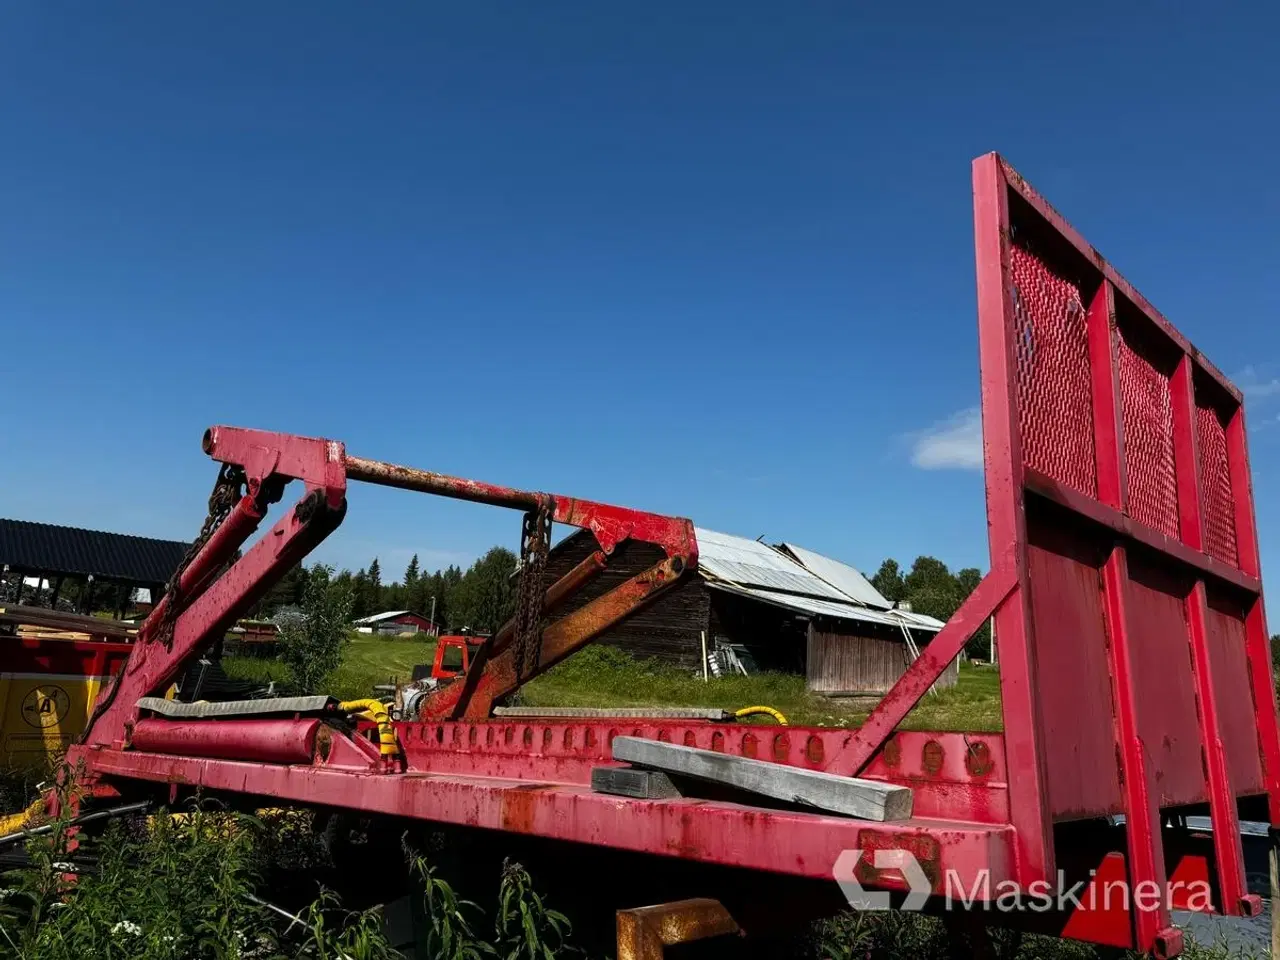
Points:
x=865 y=799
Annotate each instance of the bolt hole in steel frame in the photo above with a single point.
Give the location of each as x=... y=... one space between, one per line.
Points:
x=1125 y=589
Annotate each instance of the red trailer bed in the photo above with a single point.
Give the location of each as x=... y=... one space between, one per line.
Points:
x=1134 y=662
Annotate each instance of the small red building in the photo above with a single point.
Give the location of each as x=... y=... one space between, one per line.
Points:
x=396 y=622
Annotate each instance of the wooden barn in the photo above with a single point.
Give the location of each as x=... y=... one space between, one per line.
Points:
x=784 y=607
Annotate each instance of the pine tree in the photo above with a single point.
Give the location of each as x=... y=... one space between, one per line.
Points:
x=486 y=594
x=411 y=572
x=360 y=605
x=376 y=601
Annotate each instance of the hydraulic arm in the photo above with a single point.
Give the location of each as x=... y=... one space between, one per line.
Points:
x=214 y=586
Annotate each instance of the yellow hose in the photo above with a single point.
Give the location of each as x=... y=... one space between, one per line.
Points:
x=14 y=822
x=376 y=711
x=751 y=711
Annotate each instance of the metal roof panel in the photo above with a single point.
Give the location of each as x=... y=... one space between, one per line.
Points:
x=722 y=556
x=840 y=611
x=840 y=575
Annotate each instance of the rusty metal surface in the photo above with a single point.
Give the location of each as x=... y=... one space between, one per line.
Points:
x=953 y=776
x=756 y=838
x=609 y=524
x=425 y=481
x=644 y=931
x=456 y=702
x=500 y=675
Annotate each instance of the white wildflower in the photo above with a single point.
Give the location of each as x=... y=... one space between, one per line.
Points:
x=127 y=926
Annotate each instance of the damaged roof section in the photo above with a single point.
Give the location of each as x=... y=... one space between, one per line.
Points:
x=840 y=575
x=798 y=579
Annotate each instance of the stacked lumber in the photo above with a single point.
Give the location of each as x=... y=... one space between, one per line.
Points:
x=41 y=624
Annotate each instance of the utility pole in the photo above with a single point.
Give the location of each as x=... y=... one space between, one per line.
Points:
x=433 y=617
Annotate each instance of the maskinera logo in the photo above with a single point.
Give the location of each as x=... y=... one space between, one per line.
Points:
x=860 y=898
x=1090 y=893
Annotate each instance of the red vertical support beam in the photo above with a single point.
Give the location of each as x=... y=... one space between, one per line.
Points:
x=1142 y=815
x=1153 y=929
x=1104 y=374
x=1257 y=640
x=1007 y=522
x=1228 y=848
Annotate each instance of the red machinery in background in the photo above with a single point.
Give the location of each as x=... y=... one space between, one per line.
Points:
x=1135 y=670
x=453 y=655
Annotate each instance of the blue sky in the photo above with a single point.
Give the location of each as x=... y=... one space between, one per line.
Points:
x=708 y=259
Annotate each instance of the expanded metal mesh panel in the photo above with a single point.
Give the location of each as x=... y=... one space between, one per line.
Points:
x=1147 y=413
x=1051 y=355
x=1217 y=505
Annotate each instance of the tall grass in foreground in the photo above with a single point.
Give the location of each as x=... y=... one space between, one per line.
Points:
x=193 y=887
x=167 y=889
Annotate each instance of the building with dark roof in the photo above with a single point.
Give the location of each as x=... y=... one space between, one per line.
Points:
x=57 y=554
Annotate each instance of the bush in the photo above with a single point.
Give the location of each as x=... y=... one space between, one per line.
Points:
x=311 y=641
x=168 y=888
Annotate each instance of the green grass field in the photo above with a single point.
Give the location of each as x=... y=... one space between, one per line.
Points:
x=604 y=677
x=366 y=660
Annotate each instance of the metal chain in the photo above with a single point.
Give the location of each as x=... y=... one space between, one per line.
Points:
x=535 y=542
x=227 y=491
x=225 y=495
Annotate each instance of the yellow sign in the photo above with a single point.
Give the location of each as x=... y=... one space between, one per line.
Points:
x=45 y=706
x=42 y=715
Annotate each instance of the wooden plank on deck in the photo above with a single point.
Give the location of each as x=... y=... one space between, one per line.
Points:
x=865 y=799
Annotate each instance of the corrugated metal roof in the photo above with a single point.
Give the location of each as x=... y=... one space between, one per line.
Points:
x=722 y=556
x=840 y=575
x=387 y=615
x=813 y=606
x=50 y=549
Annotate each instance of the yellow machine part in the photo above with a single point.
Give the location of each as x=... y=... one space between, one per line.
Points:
x=41 y=715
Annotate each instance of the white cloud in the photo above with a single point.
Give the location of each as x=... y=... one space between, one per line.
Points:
x=951 y=444
x=1254 y=385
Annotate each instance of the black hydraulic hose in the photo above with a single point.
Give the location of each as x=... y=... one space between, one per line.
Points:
x=77 y=821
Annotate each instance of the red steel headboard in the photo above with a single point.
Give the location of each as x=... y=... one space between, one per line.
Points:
x=1135 y=663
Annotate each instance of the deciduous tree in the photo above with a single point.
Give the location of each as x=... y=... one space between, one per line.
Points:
x=311 y=640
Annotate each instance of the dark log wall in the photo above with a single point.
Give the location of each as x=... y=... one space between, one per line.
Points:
x=669 y=627
x=862 y=659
